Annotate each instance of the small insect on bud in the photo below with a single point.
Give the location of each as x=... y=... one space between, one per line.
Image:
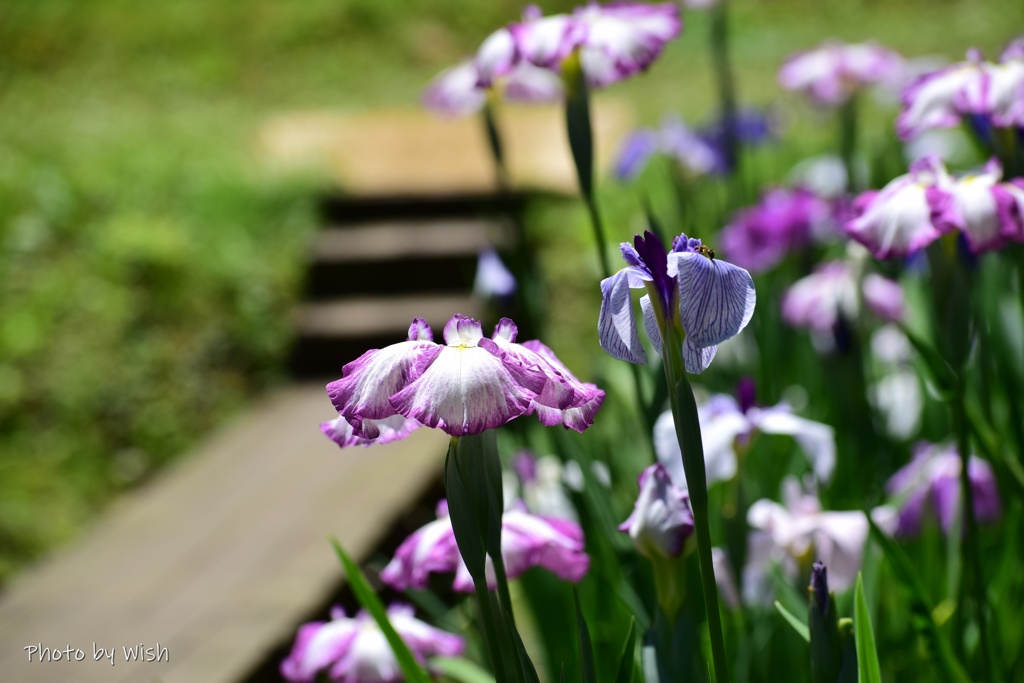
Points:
x=706 y=251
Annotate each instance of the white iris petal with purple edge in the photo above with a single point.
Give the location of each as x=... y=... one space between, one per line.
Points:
x=985 y=210
x=527 y=541
x=833 y=72
x=394 y=428
x=468 y=387
x=465 y=386
x=454 y=91
x=661 y=520
x=898 y=219
x=355 y=650
x=614 y=41
x=543 y=41
x=1001 y=94
x=619 y=40
x=495 y=58
x=936 y=100
x=367 y=383
x=713 y=300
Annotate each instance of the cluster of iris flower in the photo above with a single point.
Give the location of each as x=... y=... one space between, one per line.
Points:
x=694 y=300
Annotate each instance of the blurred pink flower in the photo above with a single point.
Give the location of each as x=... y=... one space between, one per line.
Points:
x=933 y=476
x=615 y=41
x=833 y=72
x=819 y=300
x=356 y=651
x=759 y=237
x=526 y=541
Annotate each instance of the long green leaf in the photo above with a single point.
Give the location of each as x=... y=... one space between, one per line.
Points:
x=798 y=626
x=469 y=519
x=627 y=660
x=461 y=670
x=868 y=670
x=586 y=649
x=577 y=119
x=946 y=663
x=942 y=374
x=372 y=604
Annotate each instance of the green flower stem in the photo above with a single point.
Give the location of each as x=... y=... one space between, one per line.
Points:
x=725 y=81
x=990 y=667
x=581 y=143
x=848 y=141
x=495 y=145
x=473 y=485
x=684 y=412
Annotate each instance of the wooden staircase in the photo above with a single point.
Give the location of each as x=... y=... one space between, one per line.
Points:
x=379 y=263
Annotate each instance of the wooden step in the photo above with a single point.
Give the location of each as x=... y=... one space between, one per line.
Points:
x=335 y=332
x=386 y=240
x=391 y=257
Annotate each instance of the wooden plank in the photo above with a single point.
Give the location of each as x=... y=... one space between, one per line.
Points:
x=376 y=315
x=424 y=239
x=414 y=152
x=221 y=555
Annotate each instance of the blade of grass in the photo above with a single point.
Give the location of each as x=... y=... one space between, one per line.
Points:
x=461 y=670
x=946 y=663
x=868 y=670
x=586 y=649
x=627 y=662
x=372 y=604
x=800 y=627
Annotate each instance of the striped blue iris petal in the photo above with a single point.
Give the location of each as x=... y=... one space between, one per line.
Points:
x=716 y=299
x=616 y=325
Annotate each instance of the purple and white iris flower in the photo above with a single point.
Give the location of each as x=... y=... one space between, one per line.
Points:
x=661 y=520
x=897 y=220
x=613 y=41
x=757 y=238
x=496 y=68
x=799 y=532
x=933 y=477
x=527 y=541
x=465 y=386
x=726 y=424
x=710 y=300
x=915 y=209
x=819 y=301
x=356 y=651
x=832 y=73
x=989 y=213
x=993 y=91
x=394 y=428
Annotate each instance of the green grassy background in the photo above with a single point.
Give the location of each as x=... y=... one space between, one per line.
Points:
x=147 y=261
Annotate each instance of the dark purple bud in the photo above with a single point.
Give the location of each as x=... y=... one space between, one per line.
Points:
x=746 y=393
x=819 y=586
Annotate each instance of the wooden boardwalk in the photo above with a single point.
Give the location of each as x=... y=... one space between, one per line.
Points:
x=221 y=556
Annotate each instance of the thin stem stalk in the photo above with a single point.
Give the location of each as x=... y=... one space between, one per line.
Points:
x=970 y=545
x=684 y=411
